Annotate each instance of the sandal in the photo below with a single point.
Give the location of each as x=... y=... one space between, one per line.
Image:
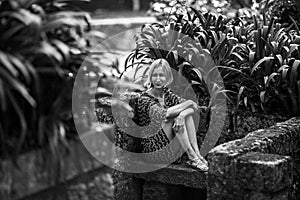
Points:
x=197 y=163
x=203 y=160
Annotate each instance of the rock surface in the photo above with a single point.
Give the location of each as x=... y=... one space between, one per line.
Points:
x=159 y=191
x=177 y=175
x=248 y=169
x=266 y=172
x=33 y=177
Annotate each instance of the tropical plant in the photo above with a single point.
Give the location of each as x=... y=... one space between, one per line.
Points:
x=257 y=56
x=179 y=43
x=165 y=9
x=162 y=10
x=269 y=47
x=42 y=45
x=285 y=11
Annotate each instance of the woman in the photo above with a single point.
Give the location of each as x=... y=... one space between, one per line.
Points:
x=166 y=115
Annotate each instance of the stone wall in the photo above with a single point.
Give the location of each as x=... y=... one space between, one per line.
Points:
x=174 y=182
x=258 y=166
x=81 y=177
x=95 y=185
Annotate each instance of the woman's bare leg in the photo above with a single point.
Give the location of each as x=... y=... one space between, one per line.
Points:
x=182 y=138
x=191 y=131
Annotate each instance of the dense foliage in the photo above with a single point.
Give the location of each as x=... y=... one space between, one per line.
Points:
x=163 y=9
x=258 y=57
x=42 y=45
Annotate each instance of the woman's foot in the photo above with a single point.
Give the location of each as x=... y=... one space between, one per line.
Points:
x=199 y=155
x=203 y=159
x=197 y=163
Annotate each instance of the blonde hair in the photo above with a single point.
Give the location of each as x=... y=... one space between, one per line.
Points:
x=166 y=68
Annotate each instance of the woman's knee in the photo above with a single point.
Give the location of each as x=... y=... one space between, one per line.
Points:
x=189 y=120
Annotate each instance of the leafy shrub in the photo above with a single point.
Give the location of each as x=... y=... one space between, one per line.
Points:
x=286 y=11
x=42 y=45
x=185 y=46
x=257 y=56
x=165 y=9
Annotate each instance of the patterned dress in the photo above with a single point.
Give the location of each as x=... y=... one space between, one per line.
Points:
x=150 y=114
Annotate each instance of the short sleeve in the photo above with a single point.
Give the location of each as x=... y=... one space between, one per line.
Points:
x=133 y=103
x=179 y=99
x=172 y=98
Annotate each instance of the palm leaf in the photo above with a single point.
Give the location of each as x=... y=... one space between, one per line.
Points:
x=20 y=66
x=294 y=73
x=59 y=23
x=200 y=17
x=241 y=90
x=9 y=33
x=22 y=121
x=2 y=96
x=7 y=64
x=259 y=63
x=271 y=78
x=262 y=95
x=63 y=49
x=15 y=84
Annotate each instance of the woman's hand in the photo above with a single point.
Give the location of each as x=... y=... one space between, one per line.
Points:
x=130 y=112
x=178 y=123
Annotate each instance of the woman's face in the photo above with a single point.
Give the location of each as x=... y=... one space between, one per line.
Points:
x=158 y=78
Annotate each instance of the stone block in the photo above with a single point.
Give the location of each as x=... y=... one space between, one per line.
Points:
x=256 y=195
x=120 y=176
x=283 y=138
x=177 y=175
x=129 y=189
x=94 y=188
x=95 y=185
x=160 y=191
x=216 y=187
x=221 y=158
x=34 y=175
x=263 y=172
x=283 y=195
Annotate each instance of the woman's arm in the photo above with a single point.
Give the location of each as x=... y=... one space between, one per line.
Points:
x=187 y=112
x=187 y=106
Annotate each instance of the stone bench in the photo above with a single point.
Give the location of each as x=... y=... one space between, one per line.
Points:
x=177 y=174
x=174 y=182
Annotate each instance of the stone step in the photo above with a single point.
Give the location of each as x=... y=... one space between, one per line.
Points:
x=177 y=174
